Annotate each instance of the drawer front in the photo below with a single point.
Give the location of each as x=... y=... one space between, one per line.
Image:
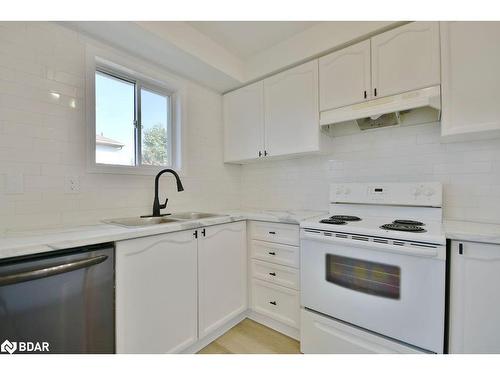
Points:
x=276 y=274
x=281 y=304
x=275 y=232
x=322 y=335
x=276 y=253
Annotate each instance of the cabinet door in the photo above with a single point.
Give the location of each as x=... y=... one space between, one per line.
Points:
x=344 y=77
x=291 y=111
x=156 y=293
x=406 y=58
x=470 y=63
x=474 y=298
x=222 y=268
x=244 y=123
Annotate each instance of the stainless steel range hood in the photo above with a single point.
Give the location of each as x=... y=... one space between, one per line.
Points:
x=410 y=108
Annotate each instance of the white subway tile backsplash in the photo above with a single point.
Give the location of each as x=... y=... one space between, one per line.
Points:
x=469 y=171
x=43 y=138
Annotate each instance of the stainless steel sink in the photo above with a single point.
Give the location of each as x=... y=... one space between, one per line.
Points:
x=193 y=215
x=141 y=221
x=174 y=218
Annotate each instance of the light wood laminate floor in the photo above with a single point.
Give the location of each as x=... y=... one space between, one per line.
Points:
x=250 y=337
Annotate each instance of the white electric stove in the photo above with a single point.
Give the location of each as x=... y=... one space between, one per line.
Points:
x=373 y=271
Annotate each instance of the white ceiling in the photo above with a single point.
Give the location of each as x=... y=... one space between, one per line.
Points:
x=247 y=38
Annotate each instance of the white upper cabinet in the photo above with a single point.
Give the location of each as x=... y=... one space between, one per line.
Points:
x=156 y=293
x=222 y=268
x=345 y=77
x=405 y=59
x=471 y=82
x=474 y=298
x=244 y=123
x=292 y=111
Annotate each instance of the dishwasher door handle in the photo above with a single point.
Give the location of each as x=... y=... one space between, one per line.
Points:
x=57 y=269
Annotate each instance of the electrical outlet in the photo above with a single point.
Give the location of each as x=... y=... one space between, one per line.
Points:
x=73 y=184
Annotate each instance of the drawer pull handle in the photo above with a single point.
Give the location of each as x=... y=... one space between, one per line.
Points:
x=272 y=253
x=272 y=273
x=273 y=303
x=272 y=232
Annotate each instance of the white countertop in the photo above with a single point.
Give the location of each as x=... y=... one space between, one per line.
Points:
x=25 y=242
x=18 y=243
x=471 y=231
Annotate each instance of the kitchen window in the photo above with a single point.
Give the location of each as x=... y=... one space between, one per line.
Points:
x=134 y=117
x=132 y=121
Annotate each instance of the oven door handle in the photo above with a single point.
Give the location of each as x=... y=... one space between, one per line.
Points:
x=412 y=251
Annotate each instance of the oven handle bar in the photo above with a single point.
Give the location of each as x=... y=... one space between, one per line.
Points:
x=423 y=252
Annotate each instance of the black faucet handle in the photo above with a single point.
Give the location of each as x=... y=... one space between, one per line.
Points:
x=162 y=206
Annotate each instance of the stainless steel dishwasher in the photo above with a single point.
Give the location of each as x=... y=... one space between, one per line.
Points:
x=65 y=298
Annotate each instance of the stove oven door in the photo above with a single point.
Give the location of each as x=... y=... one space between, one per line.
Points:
x=396 y=291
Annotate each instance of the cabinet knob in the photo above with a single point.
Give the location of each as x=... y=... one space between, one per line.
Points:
x=265 y=153
x=260 y=154
x=375 y=92
x=460 y=248
x=272 y=253
x=364 y=94
x=273 y=303
x=272 y=232
x=272 y=273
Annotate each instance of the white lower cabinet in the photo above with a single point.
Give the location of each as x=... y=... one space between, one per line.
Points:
x=222 y=275
x=156 y=293
x=274 y=275
x=174 y=289
x=322 y=335
x=279 y=303
x=474 y=298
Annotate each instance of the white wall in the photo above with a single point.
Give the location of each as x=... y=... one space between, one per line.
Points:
x=42 y=140
x=470 y=171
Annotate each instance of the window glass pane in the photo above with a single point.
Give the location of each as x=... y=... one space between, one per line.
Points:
x=154 y=120
x=114 y=120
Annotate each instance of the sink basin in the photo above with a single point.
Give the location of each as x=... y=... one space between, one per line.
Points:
x=193 y=215
x=141 y=221
x=174 y=218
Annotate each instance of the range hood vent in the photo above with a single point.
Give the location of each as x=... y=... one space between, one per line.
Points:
x=410 y=108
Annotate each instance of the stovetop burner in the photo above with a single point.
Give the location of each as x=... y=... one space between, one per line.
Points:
x=408 y=222
x=345 y=218
x=333 y=221
x=403 y=227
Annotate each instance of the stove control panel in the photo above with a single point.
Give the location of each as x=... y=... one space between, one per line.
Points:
x=428 y=194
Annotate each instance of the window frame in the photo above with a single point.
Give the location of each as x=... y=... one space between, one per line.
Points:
x=144 y=76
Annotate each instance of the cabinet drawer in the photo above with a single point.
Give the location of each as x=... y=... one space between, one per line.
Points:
x=322 y=335
x=281 y=304
x=275 y=232
x=276 y=274
x=276 y=253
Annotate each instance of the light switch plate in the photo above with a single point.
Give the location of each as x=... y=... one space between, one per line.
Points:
x=14 y=183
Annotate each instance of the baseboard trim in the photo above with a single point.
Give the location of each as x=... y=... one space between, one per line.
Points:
x=200 y=344
x=292 y=332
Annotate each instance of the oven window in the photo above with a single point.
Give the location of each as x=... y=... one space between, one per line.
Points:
x=364 y=276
